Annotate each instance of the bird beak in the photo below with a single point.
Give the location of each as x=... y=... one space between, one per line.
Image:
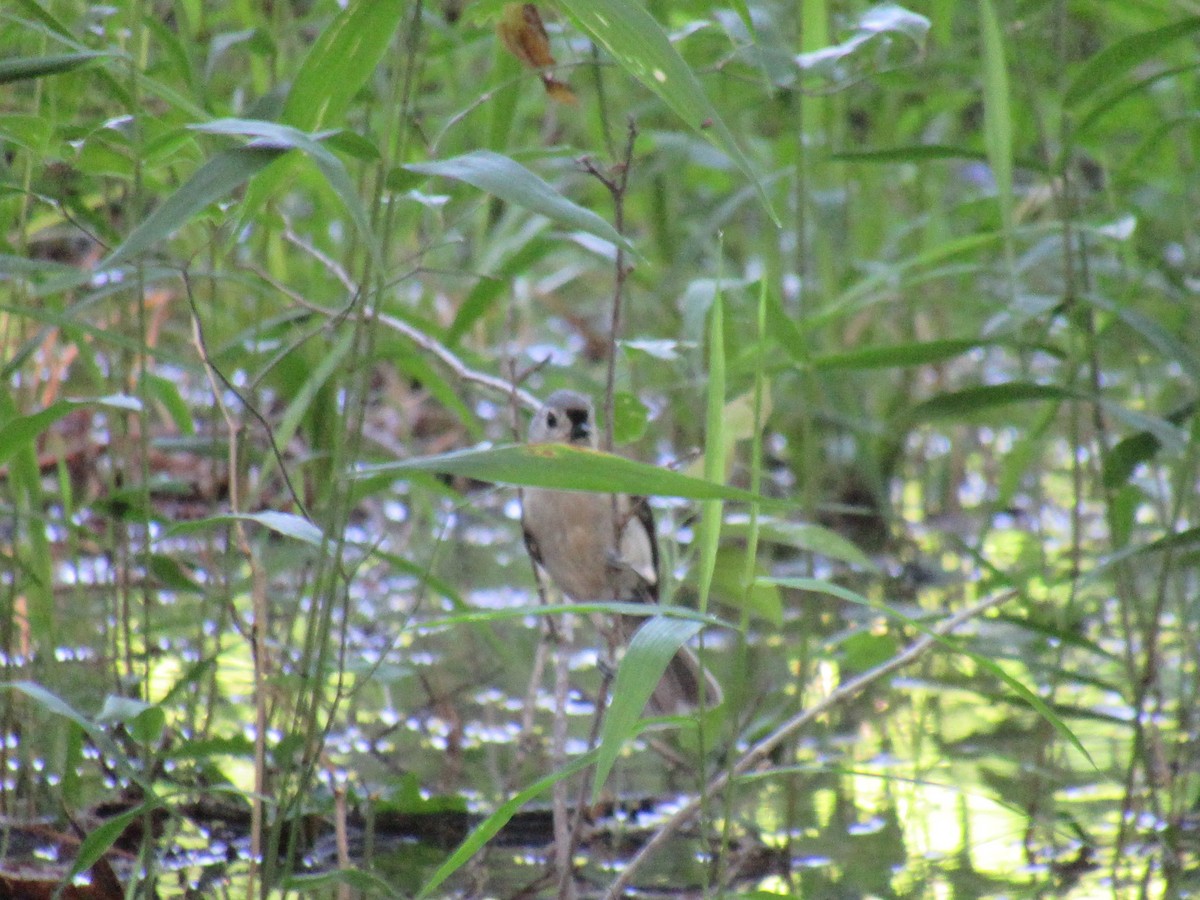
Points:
x=581 y=430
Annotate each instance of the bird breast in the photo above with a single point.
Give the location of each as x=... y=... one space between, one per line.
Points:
x=573 y=531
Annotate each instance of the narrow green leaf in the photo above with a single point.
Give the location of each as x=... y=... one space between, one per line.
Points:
x=984 y=397
x=803 y=536
x=1127 y=454
x=287 y=138
x=214 y=180
x=166 y=392
x=897 y=355
x=23 y=67
x=1107 y=102
x=55 y=705
x=637 y=42
x=172 y=574
x=735 y=583
x=118 y=710
x=981 y=398
x=489 y=827
x=647 y=657
x=34 y=269
x=52 y=703
x=910 y=153
x=870 y=45
x=565 y=468
x=286 y=524
x=22 y=429
x=341 y=60
x=365 y=884
x=1103 y=69
x=1171 y=347
x=716 y=448
x=144 y=721
x=302 y=396
x=100 y=839
x=509 y=180
x=475 y=615
x=997 y=112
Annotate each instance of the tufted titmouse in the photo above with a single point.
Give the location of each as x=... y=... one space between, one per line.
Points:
x=597 y=548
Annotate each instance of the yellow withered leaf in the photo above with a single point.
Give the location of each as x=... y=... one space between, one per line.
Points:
x=520 y=28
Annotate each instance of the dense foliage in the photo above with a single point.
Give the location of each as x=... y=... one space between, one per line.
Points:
x=922 y=280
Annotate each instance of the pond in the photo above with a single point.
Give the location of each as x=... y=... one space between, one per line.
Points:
x=995 y=763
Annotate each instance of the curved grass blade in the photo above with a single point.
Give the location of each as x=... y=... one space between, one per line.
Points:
x=24 y=67
x=918 y=353
x=16 y=432
x=565 y=468
x=647 y=657
x=509 y=180
x=286 y=137
x=214 y=180
x=1111 y=63
x=340 y=62
x=286 y=524
x=489 y=827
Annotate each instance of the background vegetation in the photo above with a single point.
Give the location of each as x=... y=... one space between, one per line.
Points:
x=925 y=276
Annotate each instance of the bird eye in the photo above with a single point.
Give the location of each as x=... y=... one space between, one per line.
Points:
x=551 y=419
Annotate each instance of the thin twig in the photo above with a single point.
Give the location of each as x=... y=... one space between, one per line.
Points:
x=453 y=363
x=258 y=630
x=763 y=749
x=214 y=372
x=616 y=184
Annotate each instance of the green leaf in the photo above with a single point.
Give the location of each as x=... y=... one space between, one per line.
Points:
x=1152 y=333
x=630 y=418
x=286 y=524
x=19 y=431
x=910 y=153
x=647 y=657
x=23 y=67
x=804 y=536
x=897 y=355
x=510 y=181
x=365 y=884
x=984 y=397
x=565 y=468
x=475 y=616
x=717 y=449
x=55 y=705
x=284 y=137
x=637 y=42
x=144 y=721
x=489 y=827
x=1103 y=69
x=341 y=60
x=214 y=180
x=166 y=392
x=100 y=839
x=737 y=586
x=997 y=112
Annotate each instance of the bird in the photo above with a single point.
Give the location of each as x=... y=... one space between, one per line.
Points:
x=602 y=547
